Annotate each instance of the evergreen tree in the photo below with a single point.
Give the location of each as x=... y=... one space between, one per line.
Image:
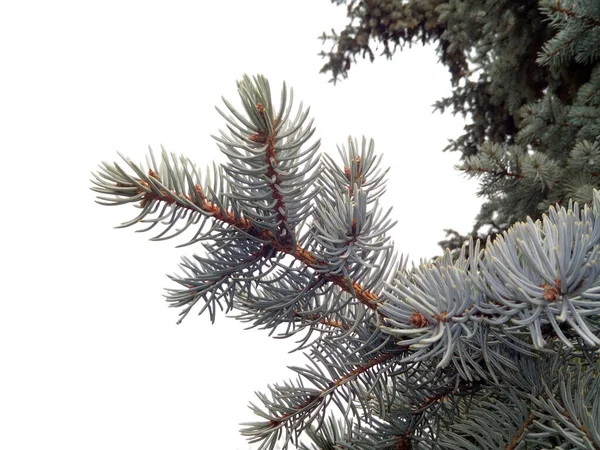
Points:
x=496 y=348
x=526 y=75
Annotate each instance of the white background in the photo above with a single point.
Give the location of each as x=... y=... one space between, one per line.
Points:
x=90 y=354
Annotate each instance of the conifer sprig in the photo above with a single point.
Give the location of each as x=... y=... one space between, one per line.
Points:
x=417 y=356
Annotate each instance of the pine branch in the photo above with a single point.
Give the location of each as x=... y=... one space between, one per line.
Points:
x=295 y=412
x=183 y=194
x=407 y=357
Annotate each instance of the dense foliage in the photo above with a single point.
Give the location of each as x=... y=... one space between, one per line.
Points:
x=525 y=74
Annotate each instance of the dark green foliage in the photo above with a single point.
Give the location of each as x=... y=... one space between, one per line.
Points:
x=525 y=74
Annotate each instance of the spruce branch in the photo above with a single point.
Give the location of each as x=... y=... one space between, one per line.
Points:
x=308 y=407
x=578 y=37
x=258 y=203
x=408 y=357
x=150 y=191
